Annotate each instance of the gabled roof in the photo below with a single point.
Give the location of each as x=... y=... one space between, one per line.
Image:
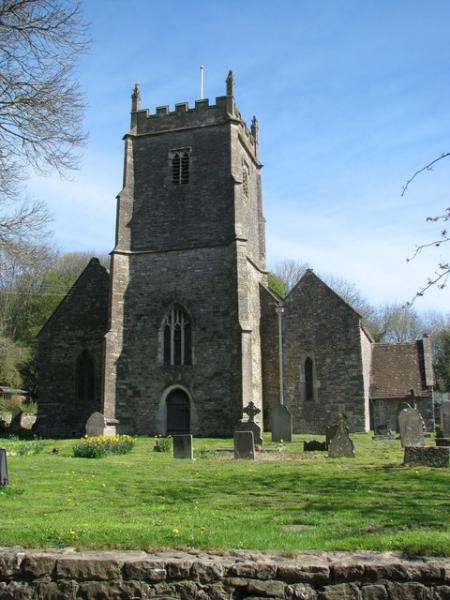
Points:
x=397 y=369
x=309 y=277
x=95 y=267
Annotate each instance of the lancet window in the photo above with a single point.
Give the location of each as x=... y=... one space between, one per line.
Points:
x=180 y=166
x=309 y=379
x=177 y=338
x=85 y=378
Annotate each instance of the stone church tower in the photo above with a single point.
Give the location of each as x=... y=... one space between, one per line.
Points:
x=183 y=348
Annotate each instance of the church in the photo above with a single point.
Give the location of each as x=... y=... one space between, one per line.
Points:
x=183 y=332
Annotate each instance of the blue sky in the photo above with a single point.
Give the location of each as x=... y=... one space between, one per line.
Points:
x=352 y=97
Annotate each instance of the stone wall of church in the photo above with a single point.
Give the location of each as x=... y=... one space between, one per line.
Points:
x=199 y=245
x=78 y=325
x=320 y=326
x=203 y=281
x=269 y=351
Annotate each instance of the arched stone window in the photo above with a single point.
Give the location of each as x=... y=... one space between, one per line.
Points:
x=85 y=378
x=180 y=165
x=177 y=337
x=309 y=379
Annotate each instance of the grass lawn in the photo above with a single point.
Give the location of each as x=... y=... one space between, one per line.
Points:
x=146 y=499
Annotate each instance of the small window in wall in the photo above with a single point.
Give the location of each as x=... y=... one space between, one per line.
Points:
x=245 y=178
x=309 y=379
x=85 y=378
x=180 y=165
x=177 y=338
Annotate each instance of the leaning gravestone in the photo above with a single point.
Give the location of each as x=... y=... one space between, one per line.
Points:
x=281 y=424
x=251 y=410
x=340 y=444
x=411 y=427
x=182 y=446
x=95 y=425
x=3 y=468
x=445 y=419
x=244 y=445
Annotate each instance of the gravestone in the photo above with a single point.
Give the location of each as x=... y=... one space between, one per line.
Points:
x=95 y=425
x=251 y=410
x=445 y=419
x=314 y=446
x=3 y=468
x=244 y=445
x=22 y=421
x=430 y=456
x=331 y=430
x=411 y=427
x=382 y=432
x=340 y=444
x=182 y=446
x=281 y=424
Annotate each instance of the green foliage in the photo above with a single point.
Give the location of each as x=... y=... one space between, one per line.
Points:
x=12 y=358
x=277 y=285
x=99 y=446
x=162 y=444
x=442 y=360
x=31 y=448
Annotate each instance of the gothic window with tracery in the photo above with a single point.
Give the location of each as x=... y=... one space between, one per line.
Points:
x=309 y=379
x=177 y=338
x=180 y=166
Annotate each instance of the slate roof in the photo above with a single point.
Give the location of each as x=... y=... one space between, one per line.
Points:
x=397 y=369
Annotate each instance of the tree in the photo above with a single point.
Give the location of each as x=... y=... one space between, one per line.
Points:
x=41 y=104
x=441 y=349
x=288 y=272
x=442 y=272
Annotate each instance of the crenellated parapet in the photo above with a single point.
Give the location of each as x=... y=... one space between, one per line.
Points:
x=184 y=117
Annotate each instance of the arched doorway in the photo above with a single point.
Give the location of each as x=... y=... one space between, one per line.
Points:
x=178 y=412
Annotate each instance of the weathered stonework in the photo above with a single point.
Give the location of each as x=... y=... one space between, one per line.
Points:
x=78 y=325
x=194 y=242
x=65 y=574
x=319 y=325
x=200 y=246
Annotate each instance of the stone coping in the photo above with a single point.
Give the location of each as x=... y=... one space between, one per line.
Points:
x=185 y=574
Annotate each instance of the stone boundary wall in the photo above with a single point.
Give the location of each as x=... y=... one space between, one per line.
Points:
x=67 y=574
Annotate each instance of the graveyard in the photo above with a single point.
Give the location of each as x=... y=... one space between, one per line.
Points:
x=285 y=500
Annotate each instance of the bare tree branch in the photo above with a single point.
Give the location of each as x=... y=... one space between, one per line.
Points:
x=428 y=167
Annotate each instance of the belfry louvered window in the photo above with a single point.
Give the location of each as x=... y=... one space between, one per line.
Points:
x=177 y=338
x=180 y=165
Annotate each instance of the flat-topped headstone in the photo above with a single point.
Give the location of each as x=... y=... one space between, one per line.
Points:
x=411 y=427
x=244 y=445
x=182 y=446
x=3 y=468
x=445 y=419
x=427 y=456
x=281 y=424
x=95 y=425
x=340 y=444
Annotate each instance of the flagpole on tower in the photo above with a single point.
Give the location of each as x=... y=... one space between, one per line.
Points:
x=202 y=70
